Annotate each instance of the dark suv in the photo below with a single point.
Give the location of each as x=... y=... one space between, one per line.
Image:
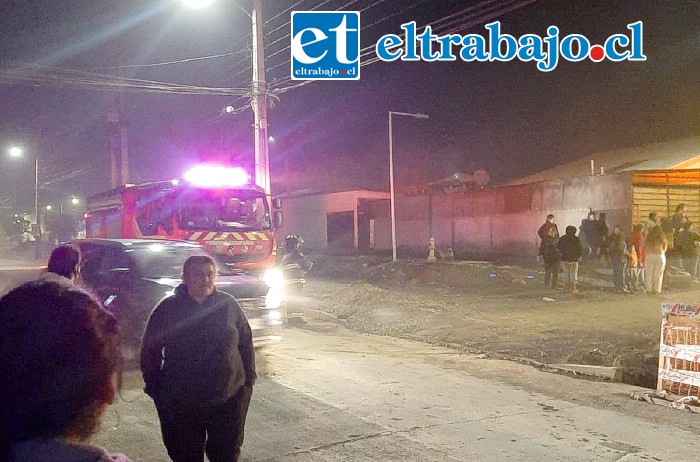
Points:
x=131 y=275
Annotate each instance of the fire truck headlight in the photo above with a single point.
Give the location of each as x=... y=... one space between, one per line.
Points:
x=274 y=278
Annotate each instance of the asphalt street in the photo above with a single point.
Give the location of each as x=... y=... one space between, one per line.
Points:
x=329 y=394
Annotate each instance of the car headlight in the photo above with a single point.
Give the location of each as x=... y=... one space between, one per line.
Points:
x=275 y=315
x=274 y=278
x=273 y=299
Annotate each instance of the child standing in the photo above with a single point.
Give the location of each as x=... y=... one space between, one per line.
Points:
x=632 y=268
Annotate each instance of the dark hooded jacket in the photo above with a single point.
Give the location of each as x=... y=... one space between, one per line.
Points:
x=569 y=245
x=197 y=354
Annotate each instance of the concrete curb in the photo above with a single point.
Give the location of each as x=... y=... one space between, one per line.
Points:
x=311 y=313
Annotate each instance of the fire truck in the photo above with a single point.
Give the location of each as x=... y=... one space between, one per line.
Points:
x=214 y=206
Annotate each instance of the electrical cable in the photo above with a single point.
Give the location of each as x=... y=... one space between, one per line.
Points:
x=450 y=23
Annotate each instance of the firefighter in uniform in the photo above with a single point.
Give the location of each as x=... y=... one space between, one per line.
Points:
x=294 y=268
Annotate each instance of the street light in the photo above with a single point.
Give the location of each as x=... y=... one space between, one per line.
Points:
x=392 y=198
x=74 y=201
x=262 y=156
x=16 y=151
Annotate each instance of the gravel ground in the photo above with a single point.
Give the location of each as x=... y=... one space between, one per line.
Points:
x=501 y=311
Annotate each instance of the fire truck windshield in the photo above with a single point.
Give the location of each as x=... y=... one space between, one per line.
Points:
x=223 y=210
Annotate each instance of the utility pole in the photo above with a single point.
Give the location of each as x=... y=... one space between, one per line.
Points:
x=259 y=103
x=123 y=140
x=118 y=142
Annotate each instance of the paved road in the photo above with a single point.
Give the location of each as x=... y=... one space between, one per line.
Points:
x=333 y=395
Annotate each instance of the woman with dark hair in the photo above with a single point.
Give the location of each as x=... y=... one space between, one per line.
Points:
x=60 y=356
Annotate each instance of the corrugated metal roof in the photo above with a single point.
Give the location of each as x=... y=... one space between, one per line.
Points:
x=672 y=155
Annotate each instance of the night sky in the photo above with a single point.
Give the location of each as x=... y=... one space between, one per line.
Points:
x=508 y=118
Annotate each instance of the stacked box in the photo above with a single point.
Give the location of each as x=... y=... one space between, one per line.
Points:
x=679 y=352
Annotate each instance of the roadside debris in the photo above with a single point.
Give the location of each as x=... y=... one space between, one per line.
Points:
x=664 y=398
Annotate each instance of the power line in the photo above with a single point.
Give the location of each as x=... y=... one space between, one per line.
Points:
x=30 y=74
x=364 y=28
x=282 y=12
x=179 y=61
x=449 y=24
x=460 y=24
x=351 y=2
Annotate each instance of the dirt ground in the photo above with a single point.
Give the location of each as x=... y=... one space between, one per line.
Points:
x=501 y=311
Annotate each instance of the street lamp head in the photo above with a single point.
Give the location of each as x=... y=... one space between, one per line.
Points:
x=417 y=115
x=197 y=3
x=15 y=151
x=48 y=207
x=74 y=201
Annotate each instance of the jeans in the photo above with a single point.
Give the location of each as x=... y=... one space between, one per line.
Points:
x=551 y=273
x=570 y=274
x=618 y=272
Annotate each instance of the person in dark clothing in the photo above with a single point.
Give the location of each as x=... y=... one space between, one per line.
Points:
x=678 y=218
x=590 y=229
x=604 y=236
x=551 y=259
x=544 y=230
x=65 y=260
x=198 y=364
x=294 y=265
x=570 y=251
x=294 y=268
x=687 y=241
x=60 y=357
x=618 y=259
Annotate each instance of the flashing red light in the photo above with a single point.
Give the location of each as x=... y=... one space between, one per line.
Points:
x=216 y=176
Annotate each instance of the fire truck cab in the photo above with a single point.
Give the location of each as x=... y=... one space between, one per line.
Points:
x=214 y=206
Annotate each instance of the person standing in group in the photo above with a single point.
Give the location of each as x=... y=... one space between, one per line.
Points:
x=656 y=246
x=632 y=276
x=591 y=231
x=604 y=238
x=678 y=218
x=198 y=364
x=543 y=232
x=687 y=241
x=651 y=222
x=637 y=241
x=570 y=251
x=60 y=358
x=617 y=251
x=551 y=259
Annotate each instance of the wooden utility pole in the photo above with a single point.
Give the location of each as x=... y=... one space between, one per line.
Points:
x=262 y=161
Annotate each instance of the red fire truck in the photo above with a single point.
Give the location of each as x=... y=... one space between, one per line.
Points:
x=212 y=205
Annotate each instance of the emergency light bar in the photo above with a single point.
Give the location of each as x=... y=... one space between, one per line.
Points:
x=216 y=176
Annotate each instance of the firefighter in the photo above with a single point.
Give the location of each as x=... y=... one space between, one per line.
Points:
x=294 y=268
